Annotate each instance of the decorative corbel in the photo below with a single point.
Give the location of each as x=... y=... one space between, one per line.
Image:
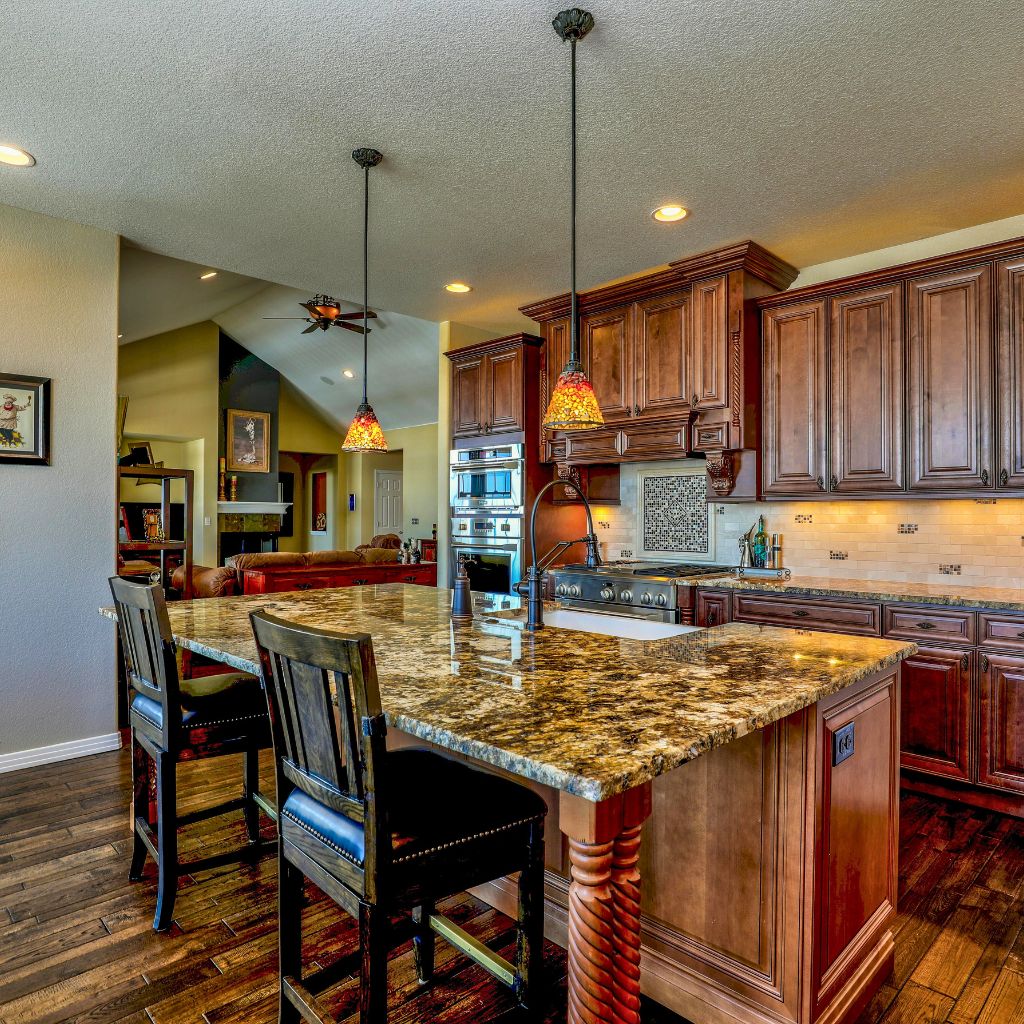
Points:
x=721 y=472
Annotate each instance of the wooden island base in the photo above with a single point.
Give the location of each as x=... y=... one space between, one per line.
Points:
x=766 y=874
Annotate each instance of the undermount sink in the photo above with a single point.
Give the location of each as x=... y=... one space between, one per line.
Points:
x=614 y=625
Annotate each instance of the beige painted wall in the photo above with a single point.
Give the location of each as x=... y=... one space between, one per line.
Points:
x=452 y=336
x=171 y=382
x=57 y=535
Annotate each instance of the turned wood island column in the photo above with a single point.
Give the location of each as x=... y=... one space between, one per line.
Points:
x=604 y=905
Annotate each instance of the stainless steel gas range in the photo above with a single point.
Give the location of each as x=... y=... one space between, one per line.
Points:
x=648 y=590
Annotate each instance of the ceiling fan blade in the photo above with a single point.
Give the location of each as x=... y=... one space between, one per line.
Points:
x=357 y=315
x=285 y=318
x=310 y=329
x=350 y=327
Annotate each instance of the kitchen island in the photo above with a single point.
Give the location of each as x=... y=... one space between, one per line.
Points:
x=769 y=862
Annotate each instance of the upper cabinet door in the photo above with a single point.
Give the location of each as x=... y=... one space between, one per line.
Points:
x=867 y=406
x=607 y=349
x=795 y=398
x=950 y=378
x=1010 y=372
x=503 y=381
x=662 y=355
x=468 y=398
x=710 y=344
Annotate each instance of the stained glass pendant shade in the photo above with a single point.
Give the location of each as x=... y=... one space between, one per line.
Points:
x=573 y=404
x=364 y=433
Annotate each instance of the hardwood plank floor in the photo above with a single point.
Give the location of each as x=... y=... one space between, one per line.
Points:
x=76 y=942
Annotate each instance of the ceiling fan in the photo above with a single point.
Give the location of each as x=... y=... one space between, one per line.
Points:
x=325 y=312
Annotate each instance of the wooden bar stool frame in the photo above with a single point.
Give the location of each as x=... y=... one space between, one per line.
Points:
x=298 y=664
x=152 y=671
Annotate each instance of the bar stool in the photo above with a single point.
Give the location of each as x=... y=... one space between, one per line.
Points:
x=384 y=832
x=172 y=720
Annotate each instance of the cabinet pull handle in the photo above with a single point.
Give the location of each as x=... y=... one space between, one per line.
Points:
x=984 y=663
x=1004 y=478
x=712 y=616
x=926 y=625
x=636 y=410
x=1021 y=634
x=834 y=483
x=360 y=583
x=695 y=400
x=965 y=662
x=821 y=483
x=303 y=586
x=984 y=478
x=801 y=613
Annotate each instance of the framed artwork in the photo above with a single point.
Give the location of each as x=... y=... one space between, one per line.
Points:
x=153 y=525
x=318 y=509
x=24 y=420
x=248 y=441
x=140 y=453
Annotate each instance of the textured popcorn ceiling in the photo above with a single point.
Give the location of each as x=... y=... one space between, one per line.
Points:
x=220 y=132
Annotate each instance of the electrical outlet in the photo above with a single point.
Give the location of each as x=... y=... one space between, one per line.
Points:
x=207 y=521
x=415 y=522
x=842 y=744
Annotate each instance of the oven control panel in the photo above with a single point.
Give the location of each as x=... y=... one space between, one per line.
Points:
x=625 y=594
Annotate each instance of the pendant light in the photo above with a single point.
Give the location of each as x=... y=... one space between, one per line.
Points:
x=573 y=404
x=364 y=433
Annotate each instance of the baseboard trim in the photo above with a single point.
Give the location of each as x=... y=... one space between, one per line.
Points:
x=19 y=759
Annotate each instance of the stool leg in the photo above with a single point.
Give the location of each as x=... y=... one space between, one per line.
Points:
x=530 y=925
x=373 y=973
x=167 y=839
x=250 y=784
x=289 y=916
x=140 y=806
x=423 y=942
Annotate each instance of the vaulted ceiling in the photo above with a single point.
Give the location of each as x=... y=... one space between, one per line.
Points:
x=220 y=133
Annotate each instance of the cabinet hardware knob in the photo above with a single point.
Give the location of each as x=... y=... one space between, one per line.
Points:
x=984 y=478
x=834 y=483
x=926 y=625
x=965 y=662
x=984 y=663
x=303 y=586
x=801 y=613
x=636 y=410
x=712 y=616
x=1004 y=478
x=695 y=400
x=1021 y=634
x=821 y=483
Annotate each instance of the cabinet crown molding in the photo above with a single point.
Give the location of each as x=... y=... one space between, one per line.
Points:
x=747 y=256
x=495 y=344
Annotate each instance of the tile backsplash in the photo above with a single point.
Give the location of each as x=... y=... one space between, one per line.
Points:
x=954 y=542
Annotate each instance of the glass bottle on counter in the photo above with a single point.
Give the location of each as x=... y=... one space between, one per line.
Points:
x=760 y=553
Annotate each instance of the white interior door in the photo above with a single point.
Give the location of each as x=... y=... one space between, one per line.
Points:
x=387 y=501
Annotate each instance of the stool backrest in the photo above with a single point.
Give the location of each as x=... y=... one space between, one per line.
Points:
x=343 y=772
x=148 y=646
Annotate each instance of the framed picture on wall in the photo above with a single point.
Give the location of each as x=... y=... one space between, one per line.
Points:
x=24 y=419
x=248 y=441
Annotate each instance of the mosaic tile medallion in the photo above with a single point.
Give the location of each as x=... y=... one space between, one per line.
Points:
x=674 y=515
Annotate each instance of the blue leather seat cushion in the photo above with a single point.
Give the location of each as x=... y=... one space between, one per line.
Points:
x=433 y=801
x=208 y=700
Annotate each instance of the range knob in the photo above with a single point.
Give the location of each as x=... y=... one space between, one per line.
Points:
x=608 y=594
x=661 y=600
x=645 y=598
x=626 y=595
x=574 y=591
x=561 y=590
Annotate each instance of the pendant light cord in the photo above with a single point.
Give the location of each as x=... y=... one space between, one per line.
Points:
x=366 y=262
x=574 y=341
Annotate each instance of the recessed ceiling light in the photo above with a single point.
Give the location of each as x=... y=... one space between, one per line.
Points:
x=208 y=275
x=348 y=373
x=458 y=287
x=670 y=213
x=16 y=157
x=327 y=380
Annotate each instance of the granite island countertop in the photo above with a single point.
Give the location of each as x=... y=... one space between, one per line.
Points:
x=584 y=713
x=999 y=598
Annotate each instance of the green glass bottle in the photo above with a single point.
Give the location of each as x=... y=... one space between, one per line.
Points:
x=760 y=545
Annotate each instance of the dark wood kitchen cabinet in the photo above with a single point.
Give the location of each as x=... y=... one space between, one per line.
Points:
x=935 y=731
x=795 y=399
x=1010 y=372
x=1001 y=722
x=950 y=348
x=490 y=397
x=606 y=346
x=664 y=359
x=866 y=407
x=710 y=354
x=714 y=608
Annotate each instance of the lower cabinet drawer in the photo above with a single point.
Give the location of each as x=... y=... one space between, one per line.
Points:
x=1001 y=630
x=909 y=622
x=281 y=584
x=664 y=441
x=423 y=575
x=809 y=613
x=714 y=608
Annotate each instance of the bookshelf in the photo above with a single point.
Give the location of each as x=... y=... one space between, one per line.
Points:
x=166 y=478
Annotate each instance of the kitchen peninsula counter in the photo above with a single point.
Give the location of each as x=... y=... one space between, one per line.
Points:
x=760 y=765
